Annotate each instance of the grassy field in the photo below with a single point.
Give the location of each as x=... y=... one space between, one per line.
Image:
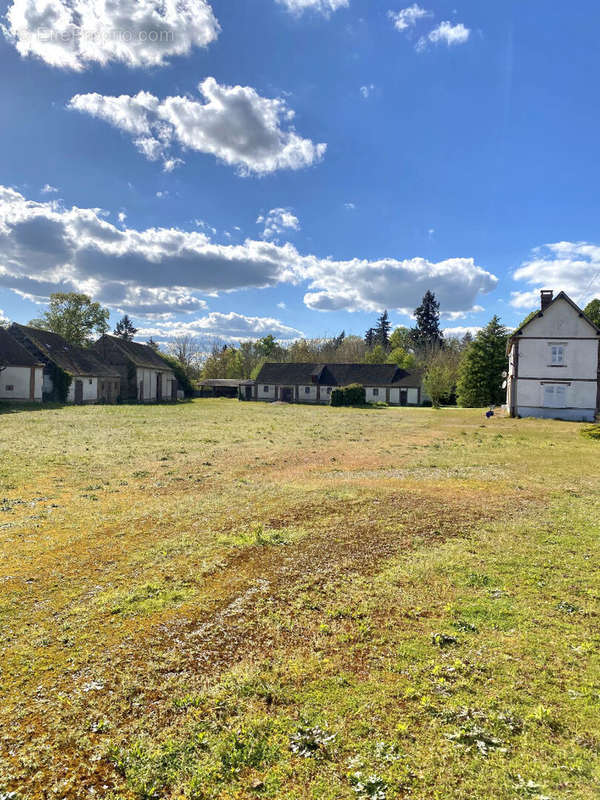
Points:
x=227 y=600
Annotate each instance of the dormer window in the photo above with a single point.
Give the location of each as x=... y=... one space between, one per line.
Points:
x=558 y=355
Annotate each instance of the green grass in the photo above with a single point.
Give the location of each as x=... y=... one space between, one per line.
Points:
x=227 y=600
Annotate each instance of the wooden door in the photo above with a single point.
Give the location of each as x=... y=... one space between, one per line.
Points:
x=158 y=387
x=79 y=392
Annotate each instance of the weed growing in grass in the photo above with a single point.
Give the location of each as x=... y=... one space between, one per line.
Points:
x=311 y=742
x=591 y=432
x=476 y=739
x=371 y=787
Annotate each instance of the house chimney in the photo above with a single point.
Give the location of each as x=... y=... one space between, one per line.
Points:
x=547 y=296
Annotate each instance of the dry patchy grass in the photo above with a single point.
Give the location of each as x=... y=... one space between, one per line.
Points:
x=225 y=600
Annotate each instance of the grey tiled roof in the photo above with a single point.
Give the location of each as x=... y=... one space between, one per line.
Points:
x=337 y=374
x=70 y=358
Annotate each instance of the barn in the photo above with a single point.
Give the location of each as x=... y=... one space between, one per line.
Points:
x=71 y=374
x=145 y=376
x=21 y=374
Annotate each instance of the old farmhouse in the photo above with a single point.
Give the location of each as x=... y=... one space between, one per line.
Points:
x=71 y=374
x=554 y=363
x=145 y=376
x=21 y=374
x=312 y=383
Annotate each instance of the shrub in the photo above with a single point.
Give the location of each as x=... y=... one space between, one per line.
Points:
x=355 y=395
x=337 y=397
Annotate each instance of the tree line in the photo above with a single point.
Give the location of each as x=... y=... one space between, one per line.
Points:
x=467 y=370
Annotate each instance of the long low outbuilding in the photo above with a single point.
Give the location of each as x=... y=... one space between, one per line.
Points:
x=313 y=383
x=225 y=387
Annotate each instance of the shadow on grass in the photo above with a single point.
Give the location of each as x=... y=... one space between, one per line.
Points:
x=10 y=407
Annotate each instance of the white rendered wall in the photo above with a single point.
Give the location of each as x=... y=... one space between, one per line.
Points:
x=90 y=390
x=309 y=396
x=20 y=378
x=266 y=392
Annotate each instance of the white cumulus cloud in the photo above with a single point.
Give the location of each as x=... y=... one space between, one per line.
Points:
x=234 y=124
x=361 y=285
x=408 y=17
x=572 y=267
x=74 y=34
x=325 y=7
x=459 y=331
x=277 y=221
x=366 y=90
x=45 y=248
x=48 y=189
x=445 y=33
x=231 y=327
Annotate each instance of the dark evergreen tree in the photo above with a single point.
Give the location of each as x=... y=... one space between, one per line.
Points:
x=338 y=340
x=370 y=338
x=466 y=340
x=427 y=334
x=382 y=330
x=480 y=374
x=125 y=329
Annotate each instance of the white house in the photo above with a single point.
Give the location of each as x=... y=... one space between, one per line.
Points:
x=554 y=363
x=313 y=383
x=21 y=374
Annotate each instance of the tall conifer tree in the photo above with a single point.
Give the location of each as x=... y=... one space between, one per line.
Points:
x=484 y=360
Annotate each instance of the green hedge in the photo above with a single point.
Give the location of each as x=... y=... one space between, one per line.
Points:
x=353 y=395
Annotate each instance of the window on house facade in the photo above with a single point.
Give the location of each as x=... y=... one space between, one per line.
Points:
x=9 y=387
x=375 y=392
x=90 y=381
x=555 y=395
x=558 y=355
x=307 y=390
x=329 y=390
x=265 y=388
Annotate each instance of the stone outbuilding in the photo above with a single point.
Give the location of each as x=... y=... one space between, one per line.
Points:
x=71 y=374
x=145 y=376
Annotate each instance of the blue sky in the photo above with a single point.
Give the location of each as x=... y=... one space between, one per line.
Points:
x=295 y=166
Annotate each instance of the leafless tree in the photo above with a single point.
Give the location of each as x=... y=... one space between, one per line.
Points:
x=186 y=350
